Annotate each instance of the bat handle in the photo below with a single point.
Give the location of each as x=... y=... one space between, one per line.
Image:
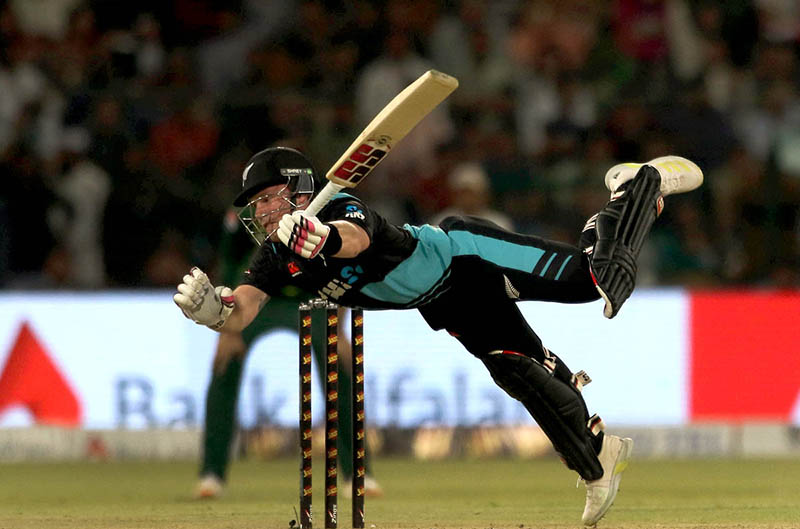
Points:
x=322 y=198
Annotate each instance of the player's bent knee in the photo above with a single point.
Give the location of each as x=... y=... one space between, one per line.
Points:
x=556 y=405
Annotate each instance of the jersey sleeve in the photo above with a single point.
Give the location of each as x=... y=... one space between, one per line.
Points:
x=265 y=271
x=349 y=208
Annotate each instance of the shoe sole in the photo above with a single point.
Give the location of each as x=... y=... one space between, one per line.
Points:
x=623 y=458
x=691 y=178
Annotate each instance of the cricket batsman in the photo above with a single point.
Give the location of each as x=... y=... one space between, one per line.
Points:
x=464 y=276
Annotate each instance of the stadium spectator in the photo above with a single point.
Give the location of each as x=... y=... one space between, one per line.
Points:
x=470 y=194
x=84 y=188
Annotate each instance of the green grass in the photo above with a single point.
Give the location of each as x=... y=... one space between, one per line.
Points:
x=434 y=495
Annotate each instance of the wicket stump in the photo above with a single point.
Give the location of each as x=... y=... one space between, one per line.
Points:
x=331 y=414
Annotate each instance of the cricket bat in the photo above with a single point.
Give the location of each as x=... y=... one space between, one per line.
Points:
x=391 y=125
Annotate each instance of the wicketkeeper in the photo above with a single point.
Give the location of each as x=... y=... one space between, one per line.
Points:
x=465 y=276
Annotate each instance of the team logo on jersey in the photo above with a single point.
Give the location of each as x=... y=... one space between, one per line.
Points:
x=294 y=269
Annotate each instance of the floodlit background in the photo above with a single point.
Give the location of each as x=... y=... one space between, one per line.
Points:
x=125 y=125
x=124 y=128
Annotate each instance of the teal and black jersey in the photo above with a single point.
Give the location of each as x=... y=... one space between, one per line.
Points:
x=349 y=282
x=409 y=266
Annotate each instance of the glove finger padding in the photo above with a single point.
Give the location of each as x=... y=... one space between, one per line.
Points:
x=189 y=293
x=200 y=278
x=183 y=302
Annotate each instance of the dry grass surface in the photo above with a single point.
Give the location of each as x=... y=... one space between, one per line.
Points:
x=467 y=494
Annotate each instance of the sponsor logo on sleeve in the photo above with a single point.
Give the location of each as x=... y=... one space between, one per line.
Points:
x=354 y=212
x=294 y=269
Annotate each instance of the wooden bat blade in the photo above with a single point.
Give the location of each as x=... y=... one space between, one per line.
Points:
x=391 y=125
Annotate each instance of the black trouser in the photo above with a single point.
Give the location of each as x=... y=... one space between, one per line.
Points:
x=480 y=298
x=478 y=308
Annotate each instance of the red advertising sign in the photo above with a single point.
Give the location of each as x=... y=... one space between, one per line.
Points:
x=745 y=356
x=31 y=380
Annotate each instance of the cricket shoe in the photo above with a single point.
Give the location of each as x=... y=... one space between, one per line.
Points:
x=210 y=486
x=600 y=493
x=372 y=489
x=678 y=175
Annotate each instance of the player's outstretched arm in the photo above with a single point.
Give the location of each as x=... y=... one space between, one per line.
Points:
x=249 y=300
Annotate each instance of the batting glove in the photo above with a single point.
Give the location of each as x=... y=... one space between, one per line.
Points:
x=201 y=302
x=306 y=236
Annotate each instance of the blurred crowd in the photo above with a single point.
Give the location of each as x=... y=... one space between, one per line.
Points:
x=124 y=126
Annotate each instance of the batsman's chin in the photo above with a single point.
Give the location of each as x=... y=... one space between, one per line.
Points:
x=273 y=233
